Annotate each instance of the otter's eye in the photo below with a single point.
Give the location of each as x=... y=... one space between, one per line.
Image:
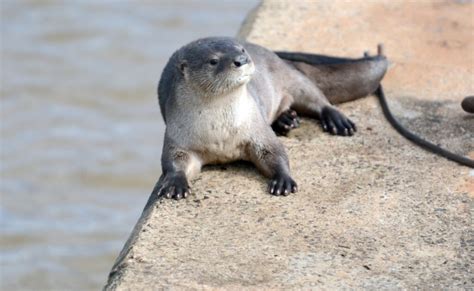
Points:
x=243 y=50
x=213 y=62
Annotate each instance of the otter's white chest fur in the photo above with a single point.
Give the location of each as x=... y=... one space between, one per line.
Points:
x=222 y=127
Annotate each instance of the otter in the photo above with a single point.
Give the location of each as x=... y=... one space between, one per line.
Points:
x=224 y=100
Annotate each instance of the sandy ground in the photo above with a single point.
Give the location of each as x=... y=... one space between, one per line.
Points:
x=373 y=211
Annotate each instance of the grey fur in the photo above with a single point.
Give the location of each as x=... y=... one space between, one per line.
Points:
x=222 y=112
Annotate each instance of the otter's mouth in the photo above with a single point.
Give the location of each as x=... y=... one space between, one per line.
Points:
x=243 y=78
x=247 y=71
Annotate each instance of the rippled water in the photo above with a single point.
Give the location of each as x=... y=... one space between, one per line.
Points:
x=81 y=132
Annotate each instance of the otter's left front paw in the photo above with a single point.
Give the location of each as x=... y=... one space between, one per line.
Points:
x=173 y=186
x=286 y=122
x=282 y=185
x=335 y=122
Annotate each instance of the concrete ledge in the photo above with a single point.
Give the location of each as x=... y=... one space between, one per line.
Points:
x=373 y=211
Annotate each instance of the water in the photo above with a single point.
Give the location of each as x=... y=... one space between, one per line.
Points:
x=81 y=132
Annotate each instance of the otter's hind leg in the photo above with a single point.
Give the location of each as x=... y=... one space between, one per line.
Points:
x=340 y=79
x=309 y=100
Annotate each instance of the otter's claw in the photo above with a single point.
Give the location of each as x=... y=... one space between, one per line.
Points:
x=286 y=122
x=173 y=186
x=335 y=122
x=282 y=185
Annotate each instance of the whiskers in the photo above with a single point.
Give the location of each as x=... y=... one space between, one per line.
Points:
x=220 y=84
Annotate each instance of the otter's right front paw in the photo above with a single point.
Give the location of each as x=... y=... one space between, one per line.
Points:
x=174 y=186
x=282 y=185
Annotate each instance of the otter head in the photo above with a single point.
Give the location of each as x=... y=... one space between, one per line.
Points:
x=215 y=66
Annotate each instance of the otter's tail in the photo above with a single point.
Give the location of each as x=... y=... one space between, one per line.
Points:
x=465 y=161
x=340 y=79
x=357 y=78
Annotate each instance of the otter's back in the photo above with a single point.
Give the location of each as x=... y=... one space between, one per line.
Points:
x=167 y=84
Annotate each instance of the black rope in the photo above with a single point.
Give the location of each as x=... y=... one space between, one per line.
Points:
x=416 y=139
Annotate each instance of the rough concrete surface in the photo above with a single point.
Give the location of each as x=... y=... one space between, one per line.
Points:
x=373 y=211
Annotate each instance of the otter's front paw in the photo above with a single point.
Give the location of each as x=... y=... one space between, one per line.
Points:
x=335 y=122
x=285 y=122
x=282 y=185
x=173 y=186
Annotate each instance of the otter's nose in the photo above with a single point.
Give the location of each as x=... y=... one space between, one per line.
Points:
x=241 y=60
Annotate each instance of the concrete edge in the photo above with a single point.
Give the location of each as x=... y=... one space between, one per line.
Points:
x=249 y=22
x=120 y=264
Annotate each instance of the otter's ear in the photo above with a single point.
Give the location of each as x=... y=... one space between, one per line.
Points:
x=183 y=66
